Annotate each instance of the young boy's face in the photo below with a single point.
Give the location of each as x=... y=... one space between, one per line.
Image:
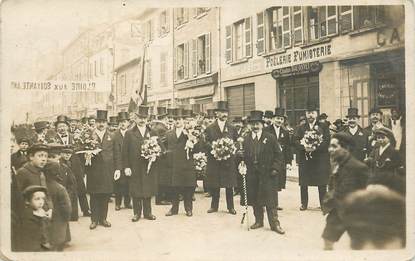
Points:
x=23 y=146
x=39 y=159
x=54 y=157
x=66 y=156
x=38 y=200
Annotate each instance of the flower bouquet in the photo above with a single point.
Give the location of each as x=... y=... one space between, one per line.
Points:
x=87 y=144
x=311 y=140
x=223 y=149
x=200 y=162
x=192 y=134
x=150 y=150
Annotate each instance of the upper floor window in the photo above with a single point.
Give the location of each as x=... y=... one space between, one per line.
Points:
x=366 y=16
x=239 y=40
x=164 y=23
x=182 y=61
x=149 y=30
x=182 y=16
x=163 y=69
x=201 y=10
x=322 y=22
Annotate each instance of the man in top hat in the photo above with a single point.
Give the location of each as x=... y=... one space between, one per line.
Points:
x=268 y=115
x=375 y=119
x=41 y=129
x=180 y=165
x=314 y=163
x=283 y=138
x=142 y=185
x=19 y=158
x=348 y=175
x=113 y=124
x=221 y=174
x=161 y=113
x=120 y=180
x=100 y=174
x=211 y=116
x=264 y=163
x=359 y=136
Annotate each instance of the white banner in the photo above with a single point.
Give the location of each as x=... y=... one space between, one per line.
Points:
x=66 y=86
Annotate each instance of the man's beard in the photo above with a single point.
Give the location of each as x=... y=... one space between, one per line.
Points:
x=311 y=119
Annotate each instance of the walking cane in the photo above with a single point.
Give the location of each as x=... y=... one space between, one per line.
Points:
x=242 y=171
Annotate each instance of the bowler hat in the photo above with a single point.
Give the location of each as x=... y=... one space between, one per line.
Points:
x=161 y=111
x=255 y=116
x=268 y=114
x=56 y=148
x=344 y=138
x=113 y=120
x=37 y=147
x=62 y=119
x=352 y=112
x=280 y=112
x=40 y=125
x=142 y=111
x=375 y=110
x=123 y=115
x=29 y=190
x=210 y=113
x=102 y=115
x=221 y=106
x=67 y=149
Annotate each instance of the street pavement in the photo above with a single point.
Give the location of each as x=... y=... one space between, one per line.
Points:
x=205 y=236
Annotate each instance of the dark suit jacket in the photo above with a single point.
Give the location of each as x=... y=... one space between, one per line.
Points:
x=360 y=138
x=18 y=159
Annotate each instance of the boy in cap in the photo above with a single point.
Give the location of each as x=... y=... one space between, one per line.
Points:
x=19 y=158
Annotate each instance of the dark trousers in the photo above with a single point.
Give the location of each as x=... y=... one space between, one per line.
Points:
x=142 y=205
x=334 y=228
x=215 y=192
x=304 y=194
x=99 y=207
x=83 y=202
x=121 y=191
x=187 y=193
x=272 y=214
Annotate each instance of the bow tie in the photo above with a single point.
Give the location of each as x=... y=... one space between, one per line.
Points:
x=64 y=135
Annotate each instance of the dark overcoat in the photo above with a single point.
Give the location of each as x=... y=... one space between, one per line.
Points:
x=220 y=174
x=314 y=171
x=141 y=183
x=181 y=168
x=262 y=184
x=18 y=159
x=284 y=141
x=360 y=139
x=388 y=162
x=118 y=140
x=100 y=174
x=159 y=129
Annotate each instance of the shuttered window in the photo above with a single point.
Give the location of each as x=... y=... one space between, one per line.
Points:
x=286 y=26
x=260 y=33
x=194 y=57
x=248 y=37
x=241 y=100
x=186 y=60
x=331 y=20
x=228 y=50
x=298 y=24
x=346 y=18
x=208 y=53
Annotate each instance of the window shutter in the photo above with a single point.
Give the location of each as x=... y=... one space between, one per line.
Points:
x=260 y=33
x=248 y=37
x=322 y=18
x=286 y=26
x=194 y=57
x=331 y=20
x=186 y=60
x=186 y=14
x=228 y=48
x=175 y=63
x=208 y=53
x=298 y=24
x=346 y=18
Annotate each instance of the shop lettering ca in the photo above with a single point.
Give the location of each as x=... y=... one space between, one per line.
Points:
x=298 y=56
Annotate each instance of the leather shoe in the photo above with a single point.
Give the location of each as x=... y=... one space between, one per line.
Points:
x=170 y=213
x=87 y=214
x=135 y=218
x=232 y=211
x=211 y=210
x=93 y=225
x=150 y=217
x=257 y=225
x=278 y=229
x=105 y=223
x=189 y=213
x=302 y=208
x=117 y=208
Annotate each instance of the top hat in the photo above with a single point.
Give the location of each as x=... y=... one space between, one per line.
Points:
x=170 y=112
x=311 y=106
x=221 y=106
x=29 y=190
x=102 y=115
x=177 y=112
x=113 y=120
x=37 y=147
x=352 y=112
x=210 y=113
x=237 y=119
x=62 y=119
x=375 y=110
x=268 y=114
x=280 y=112
x=142 y=111
x=161 y=111
x=255 y=116
x=123 y=115
x=40 y=125
x=344 y=138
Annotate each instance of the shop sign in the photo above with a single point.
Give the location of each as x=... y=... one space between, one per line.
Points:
x=298 y=55
x=213 y=79
x=311 y=67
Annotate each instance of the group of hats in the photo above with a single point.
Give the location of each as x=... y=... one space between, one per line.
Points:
x=257 y=115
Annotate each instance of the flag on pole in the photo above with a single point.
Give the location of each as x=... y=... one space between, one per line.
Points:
x=143 y=62
x=132 y=106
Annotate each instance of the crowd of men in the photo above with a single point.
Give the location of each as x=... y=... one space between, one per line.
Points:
x=359 y=172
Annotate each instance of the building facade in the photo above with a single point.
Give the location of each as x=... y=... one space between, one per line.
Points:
x=333 y=56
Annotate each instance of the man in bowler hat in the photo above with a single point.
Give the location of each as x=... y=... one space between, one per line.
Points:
x=359 y=136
